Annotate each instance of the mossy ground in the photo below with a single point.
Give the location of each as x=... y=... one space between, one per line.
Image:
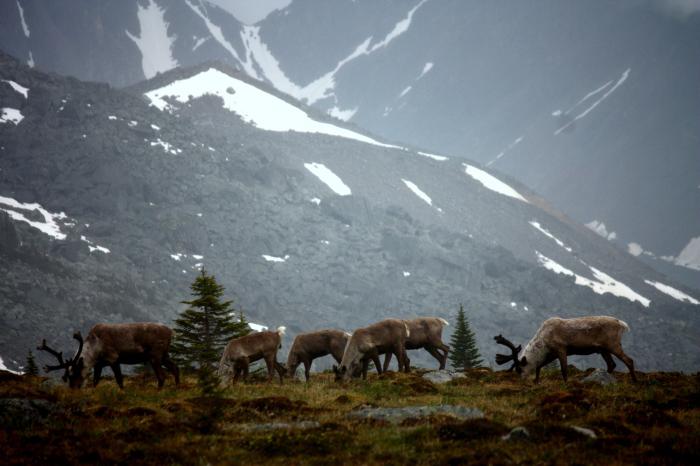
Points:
x=655 y=421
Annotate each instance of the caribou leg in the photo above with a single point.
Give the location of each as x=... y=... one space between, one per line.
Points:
x=97 y=374
x=172 y=367
x=609 y=361
x=117 y=370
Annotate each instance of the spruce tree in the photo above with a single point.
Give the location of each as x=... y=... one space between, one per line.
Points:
x=31 y=367
x=463 y=353
x=206 y=326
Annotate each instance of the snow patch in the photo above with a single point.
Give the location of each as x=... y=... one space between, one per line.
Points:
x=344 y=115
x=11 y=115
x=257 y=327
x=2 y=363
x=491 y=182
x=427 y=67
x=153 y=42
x=253 y=105
x=406 y=273
x=406 y=90
x=315 y=200
x=418 y=192
x=30 y=60
x=167 y=147
x=439 y=158
x=671 y=291
x=275 y=258
x=635 y=249
x=690 y=255
x=545 y=232
x=332 y=180
x=619 y=82
x=49 y=226
x=25 y=28
x=94 y=247
x=504 y=151
x=155 y=127
x=199 y=42
x=600 y=228
x=257 y=53
x=602 y=284
x=18 y=88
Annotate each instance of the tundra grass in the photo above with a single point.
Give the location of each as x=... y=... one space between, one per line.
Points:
x=654 y=421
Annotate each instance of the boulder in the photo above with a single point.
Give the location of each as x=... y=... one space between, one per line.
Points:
x=601 y=377
x=21 y=413
x=518 y=433
x=442 y=376
x=397 y=415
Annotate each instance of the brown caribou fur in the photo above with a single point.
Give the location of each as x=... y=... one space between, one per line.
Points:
x=241 y=352
x=309 y=346
x=367 y=343
x=557 y=338
x=425 y=332
x=115 y=344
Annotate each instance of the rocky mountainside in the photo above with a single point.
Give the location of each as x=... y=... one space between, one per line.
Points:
x=590 y=104
x=112 y=200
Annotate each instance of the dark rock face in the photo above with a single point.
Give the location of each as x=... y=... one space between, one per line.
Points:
x=524 y=109
x=233 y=194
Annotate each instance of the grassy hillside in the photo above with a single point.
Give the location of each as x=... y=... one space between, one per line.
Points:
x=656 y=421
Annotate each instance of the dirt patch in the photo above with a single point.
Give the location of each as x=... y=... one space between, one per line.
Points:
x=311 y=442
x=566 y=405
x=140 y=411
x=473 y=429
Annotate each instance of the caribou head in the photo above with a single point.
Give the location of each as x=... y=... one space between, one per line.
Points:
x=73 y=369
x=505 y=358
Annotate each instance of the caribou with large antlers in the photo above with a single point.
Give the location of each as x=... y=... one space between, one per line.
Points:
x=115 y=344
x=557 y=338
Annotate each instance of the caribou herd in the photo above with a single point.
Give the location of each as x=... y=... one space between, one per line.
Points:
x=135 y=343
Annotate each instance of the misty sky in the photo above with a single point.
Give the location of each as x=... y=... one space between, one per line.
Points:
x=251 y=11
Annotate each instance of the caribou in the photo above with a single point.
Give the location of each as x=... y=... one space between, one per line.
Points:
x=241 y=352
x=309 y=346
x=115 y=344
x=558 y=338
x=425 y=332
x=367 y=343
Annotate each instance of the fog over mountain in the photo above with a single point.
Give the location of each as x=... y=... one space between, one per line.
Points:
x=339 y=161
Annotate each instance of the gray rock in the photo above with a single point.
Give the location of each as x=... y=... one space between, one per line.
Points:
x=22 y=413
x=442 y=376
x=396 y=415
x=584 y=431
x=601 y=377
x=302 y=425
x=518 y=433
x=52 y=383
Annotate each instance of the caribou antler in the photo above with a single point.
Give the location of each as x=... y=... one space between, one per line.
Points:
x=504 y=358
x=78 y=337
x=57 y=354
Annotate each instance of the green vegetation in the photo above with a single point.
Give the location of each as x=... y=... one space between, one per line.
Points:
x=206 y=326
x=656 y=421
x=464 y=353
x=203 y=330
x=31 y=368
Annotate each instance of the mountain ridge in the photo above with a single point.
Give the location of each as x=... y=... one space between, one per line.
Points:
x=168 y=192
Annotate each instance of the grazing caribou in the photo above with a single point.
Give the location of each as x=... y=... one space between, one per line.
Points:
x=556 y=338
x=115 y=344
x=309 y=346
x=425 y=332
x=367 y=343
x=241 y=352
